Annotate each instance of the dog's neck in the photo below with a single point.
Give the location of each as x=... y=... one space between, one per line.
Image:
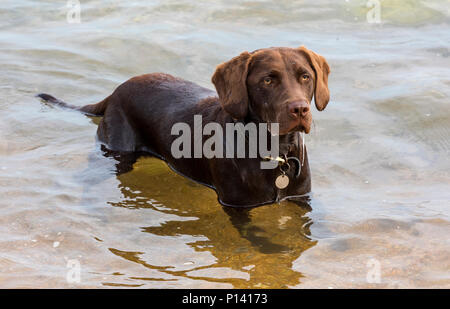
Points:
x=288 y=143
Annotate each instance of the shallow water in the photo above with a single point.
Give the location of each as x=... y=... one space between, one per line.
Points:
x=379 y=153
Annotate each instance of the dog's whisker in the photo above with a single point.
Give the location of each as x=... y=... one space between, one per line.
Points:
x=303 y=148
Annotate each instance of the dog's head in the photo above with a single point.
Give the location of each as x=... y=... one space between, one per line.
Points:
x=274 y=85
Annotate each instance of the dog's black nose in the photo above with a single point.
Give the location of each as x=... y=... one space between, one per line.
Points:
x=298 y=108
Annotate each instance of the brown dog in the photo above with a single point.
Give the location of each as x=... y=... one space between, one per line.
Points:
x=274 y=85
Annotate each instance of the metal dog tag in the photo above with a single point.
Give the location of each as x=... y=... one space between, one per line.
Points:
x=282 y=181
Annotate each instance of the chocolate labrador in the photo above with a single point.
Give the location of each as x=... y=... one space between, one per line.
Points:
x=273 y=85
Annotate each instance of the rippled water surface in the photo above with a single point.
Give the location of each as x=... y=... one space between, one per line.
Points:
x=379 y=153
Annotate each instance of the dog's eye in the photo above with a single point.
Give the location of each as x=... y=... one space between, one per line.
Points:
x=267 y=80
x=305 y=77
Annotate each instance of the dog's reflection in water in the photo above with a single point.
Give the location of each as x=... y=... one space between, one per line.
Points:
x=262 y=242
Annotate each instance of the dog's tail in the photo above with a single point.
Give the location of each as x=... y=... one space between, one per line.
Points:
x=90 y=110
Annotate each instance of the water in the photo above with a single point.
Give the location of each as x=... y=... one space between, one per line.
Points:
x=379 y=153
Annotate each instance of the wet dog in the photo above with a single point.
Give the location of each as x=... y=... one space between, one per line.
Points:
x=273 y=85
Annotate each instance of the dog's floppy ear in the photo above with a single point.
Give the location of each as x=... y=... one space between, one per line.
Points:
x=230 y=80
x=321 y=68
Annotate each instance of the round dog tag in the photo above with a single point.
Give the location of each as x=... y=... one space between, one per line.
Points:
x=282 y=181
